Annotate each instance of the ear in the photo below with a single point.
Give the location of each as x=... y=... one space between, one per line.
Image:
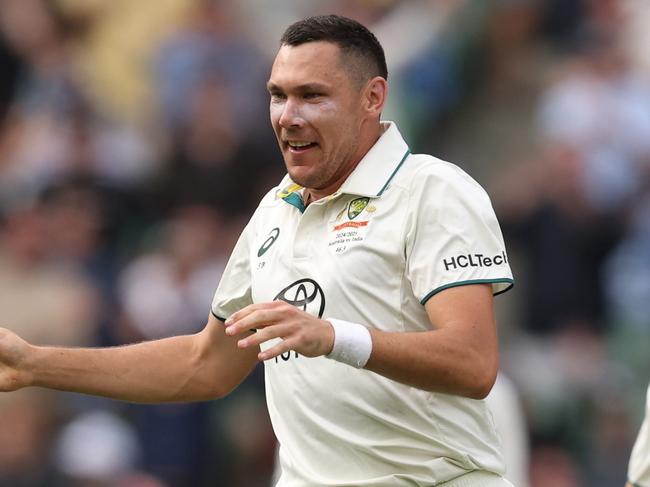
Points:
x=375 y=95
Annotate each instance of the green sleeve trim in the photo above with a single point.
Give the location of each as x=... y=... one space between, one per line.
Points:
x=511 y=283
x=406 y=154
x=217 y=316
x=223 y=320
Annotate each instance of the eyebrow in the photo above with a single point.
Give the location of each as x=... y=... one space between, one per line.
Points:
x=307 y=87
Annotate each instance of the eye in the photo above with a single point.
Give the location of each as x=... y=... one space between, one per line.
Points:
x=312 y=95
x=277 y=96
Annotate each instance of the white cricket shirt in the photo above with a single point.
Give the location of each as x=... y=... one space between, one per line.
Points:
x=638 y=472
x=402 y=228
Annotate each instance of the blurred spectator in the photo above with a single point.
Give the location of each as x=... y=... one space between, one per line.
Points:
x=113 y=49
x=425 y=56
x=213 y=161
x=31 y=149
x=29 y=419
x=98 y=220
x=211 y=46
x=52 y=130
x=544 y=208
x=553 y=466
x=164 y=292
x=211 y=82
x=96 y=449
x=51 y=303
x=600 y=107
x=627 y=274
x=45 y=301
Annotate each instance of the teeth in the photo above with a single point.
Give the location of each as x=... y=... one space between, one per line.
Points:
x=298 y=143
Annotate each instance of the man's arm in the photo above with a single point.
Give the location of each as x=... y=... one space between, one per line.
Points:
x=195 y=367
x=458 y=356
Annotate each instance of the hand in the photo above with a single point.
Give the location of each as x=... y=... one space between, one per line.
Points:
x=300 y=331
x=13 y=353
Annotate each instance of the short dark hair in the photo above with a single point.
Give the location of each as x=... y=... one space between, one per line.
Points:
x=352 y=38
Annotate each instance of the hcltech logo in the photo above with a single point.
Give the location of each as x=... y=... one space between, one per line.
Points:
x=474 y=260
x=356 y=207
x=273 y=235
x=305 y=294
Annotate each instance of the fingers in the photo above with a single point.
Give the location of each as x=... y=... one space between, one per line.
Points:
x=265 y=334
x=298 y=330
x=256 y=316
x=275 y=351
x=251 y=308
x=277 y=331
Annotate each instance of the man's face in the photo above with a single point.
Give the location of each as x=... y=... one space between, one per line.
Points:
x=316 y=112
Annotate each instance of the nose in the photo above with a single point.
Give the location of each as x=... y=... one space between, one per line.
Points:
x=291 y=115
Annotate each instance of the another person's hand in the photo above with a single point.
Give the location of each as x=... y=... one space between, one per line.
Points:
x=13 y=354
x=299 y=330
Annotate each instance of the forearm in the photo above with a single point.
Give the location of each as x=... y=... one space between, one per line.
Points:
x=164 y=370
x=195 y=367
x=437 y=361
x=459 y=355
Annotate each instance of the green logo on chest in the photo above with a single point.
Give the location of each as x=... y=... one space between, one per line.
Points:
x=356 y=207
x=273 y=235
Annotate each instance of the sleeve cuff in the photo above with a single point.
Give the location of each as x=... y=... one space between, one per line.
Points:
x=503 y=285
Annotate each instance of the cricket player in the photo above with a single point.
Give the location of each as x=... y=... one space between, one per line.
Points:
x=364 y=281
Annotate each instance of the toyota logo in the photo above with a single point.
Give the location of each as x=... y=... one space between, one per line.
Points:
x=305 y=294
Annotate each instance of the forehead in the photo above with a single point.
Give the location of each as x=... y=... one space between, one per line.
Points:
x=308 y=63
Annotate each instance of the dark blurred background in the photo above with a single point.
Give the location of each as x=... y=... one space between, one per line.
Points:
x=135 y=143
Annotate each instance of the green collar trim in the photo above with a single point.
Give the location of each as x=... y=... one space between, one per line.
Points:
x=406 y=154
x=294 y=199
x=291 y=194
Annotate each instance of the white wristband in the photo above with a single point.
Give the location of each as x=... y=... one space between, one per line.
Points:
x=352 y=343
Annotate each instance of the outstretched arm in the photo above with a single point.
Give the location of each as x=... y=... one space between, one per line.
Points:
x=195 y=367
x=458 y=356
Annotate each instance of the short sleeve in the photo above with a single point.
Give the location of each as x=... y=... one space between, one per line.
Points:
x=234 y=290
x=452 y=234
x=639 y=468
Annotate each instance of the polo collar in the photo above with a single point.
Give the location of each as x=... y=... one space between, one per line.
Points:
x=372 y=175
x=290 y=192
x=378 y=167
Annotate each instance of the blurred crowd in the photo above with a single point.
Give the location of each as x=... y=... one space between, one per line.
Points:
x=135 y=143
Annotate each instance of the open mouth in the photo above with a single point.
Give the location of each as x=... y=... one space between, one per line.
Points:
x=299 y=146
